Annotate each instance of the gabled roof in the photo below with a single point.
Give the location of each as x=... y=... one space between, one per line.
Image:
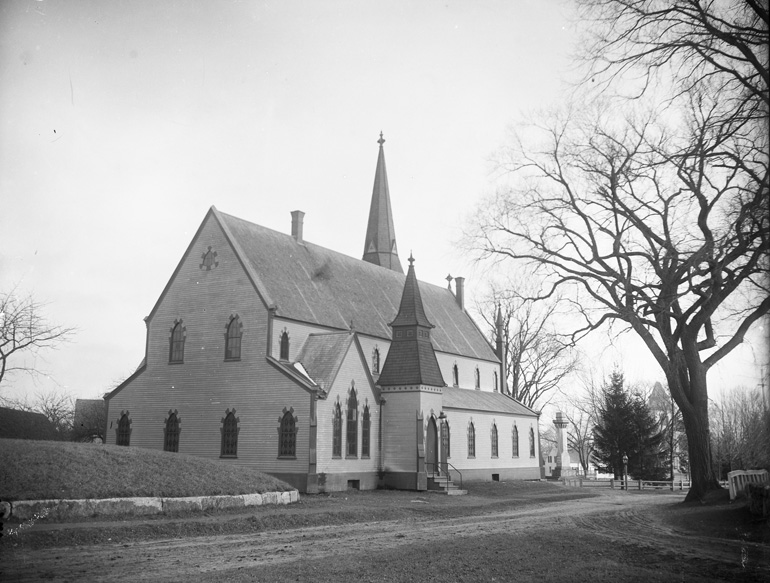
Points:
x=309 y=283
x=322 y=355
x=455 y=398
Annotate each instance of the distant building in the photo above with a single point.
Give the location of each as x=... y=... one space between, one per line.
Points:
x=16 y=424
x=326 y=371
x=90 y=420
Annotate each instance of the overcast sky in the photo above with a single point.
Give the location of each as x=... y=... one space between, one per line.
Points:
x=121 y=123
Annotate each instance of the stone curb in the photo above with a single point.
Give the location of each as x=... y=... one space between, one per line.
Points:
x=37 y=509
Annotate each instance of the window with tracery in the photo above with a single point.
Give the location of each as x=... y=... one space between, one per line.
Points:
x=494 y=440
x=337 y=431
x=230 y=435
x=233 y=339
x=515 y=441
x=471 y=440
x=376 y=361
x=176 y=348
x=171 y=433
x=287 y=446
x=365 y=433
x=352 y=428
x=123 y=436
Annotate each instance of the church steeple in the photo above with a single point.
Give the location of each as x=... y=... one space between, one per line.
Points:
x=411 y=359
x=380 y=243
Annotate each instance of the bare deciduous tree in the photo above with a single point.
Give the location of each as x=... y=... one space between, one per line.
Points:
x=57 y=405
x=538 y=358
x=23 y=328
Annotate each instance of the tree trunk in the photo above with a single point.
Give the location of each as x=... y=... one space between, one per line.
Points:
x=696 y=423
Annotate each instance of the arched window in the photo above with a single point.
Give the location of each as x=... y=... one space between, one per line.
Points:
x=494 y=440
x=365 y=432
x=230 y=431
x=477 y=379
x=531 y=442
x=171 y=432
x=176 y=348
x=376 y=361
x=285 y=345
x=287 y=445
x=471 y=440
x=124 y=430
x=447 y=438
x=233 y=339
x=455 y=376
x=352 y=429
x=515 y=441
x=337 y=431
x=496 y=389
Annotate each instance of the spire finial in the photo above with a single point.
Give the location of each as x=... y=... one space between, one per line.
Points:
x=381 y=141
x=411 y=259
x=449 y=279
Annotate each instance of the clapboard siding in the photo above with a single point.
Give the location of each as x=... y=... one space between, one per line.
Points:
x=352 y=372
x=458 y=426
x=466 y=368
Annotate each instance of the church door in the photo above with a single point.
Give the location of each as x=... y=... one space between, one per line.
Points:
x=431 y=447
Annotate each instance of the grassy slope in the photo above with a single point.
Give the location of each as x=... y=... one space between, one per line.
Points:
x=34 y=470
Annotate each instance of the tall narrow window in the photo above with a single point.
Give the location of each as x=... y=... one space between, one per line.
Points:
x=337 y=431
x=285 y=345
x=171 y=433
x=494 y=440
x=230 y=435
x=365 y=432
x=531 y=442
x=496 y=389
x=376 y=361
x=471 y=440
x=233 y=339
x=176 y=349
x=287 y=446
x=515 y=441
x=446 y=436
x=477 y=379
x=124 y=430
x=352 y=429
x=455 y=376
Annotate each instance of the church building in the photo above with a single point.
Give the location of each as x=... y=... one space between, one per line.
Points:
x=321 y=369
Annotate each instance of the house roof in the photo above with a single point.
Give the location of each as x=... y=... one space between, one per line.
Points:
x=16 y=424
x=330 y=289
x=322 y=355
x=455 y=398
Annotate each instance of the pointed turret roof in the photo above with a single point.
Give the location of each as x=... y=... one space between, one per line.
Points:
x=380 y=244
x=411 y=359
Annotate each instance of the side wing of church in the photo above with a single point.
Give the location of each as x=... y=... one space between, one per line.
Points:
x=324 y=370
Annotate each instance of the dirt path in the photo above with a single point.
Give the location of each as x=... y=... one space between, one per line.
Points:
x=619 y=519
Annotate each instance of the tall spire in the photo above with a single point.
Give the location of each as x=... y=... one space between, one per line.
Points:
x=411 y=359
x=380 y=243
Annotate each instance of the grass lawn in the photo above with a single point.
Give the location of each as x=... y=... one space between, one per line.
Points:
x=34 y=470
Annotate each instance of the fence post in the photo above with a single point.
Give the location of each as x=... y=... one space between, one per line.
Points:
x=612 y=483
x=640 y=483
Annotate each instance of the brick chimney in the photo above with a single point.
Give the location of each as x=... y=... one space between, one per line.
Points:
x=297 y=219
x=460 y=292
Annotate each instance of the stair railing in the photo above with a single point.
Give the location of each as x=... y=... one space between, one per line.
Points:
x=436 y=469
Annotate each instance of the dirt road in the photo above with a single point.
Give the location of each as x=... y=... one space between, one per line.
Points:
x=611 y=536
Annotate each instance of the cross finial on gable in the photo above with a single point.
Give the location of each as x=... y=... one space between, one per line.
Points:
x=449 y=279
x=381 y=141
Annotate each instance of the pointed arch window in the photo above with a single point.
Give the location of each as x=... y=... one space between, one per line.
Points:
x=123 y=432
x=230 y=431
x=477 y=379
x=496 y=380
x=471 y=440
x=176 y=343
x=352 y=425
x=515 y=434
x=494 y=440
x=233 y=336
x=284 y=345
x=287 y=435
x=531 y=442
x=171 y=432
x=337 y=431
x=455 y=376
x=366 y=433
x=376 y=361
x=447 y=439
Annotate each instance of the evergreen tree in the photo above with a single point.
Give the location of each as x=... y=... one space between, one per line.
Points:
x=627 y=427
